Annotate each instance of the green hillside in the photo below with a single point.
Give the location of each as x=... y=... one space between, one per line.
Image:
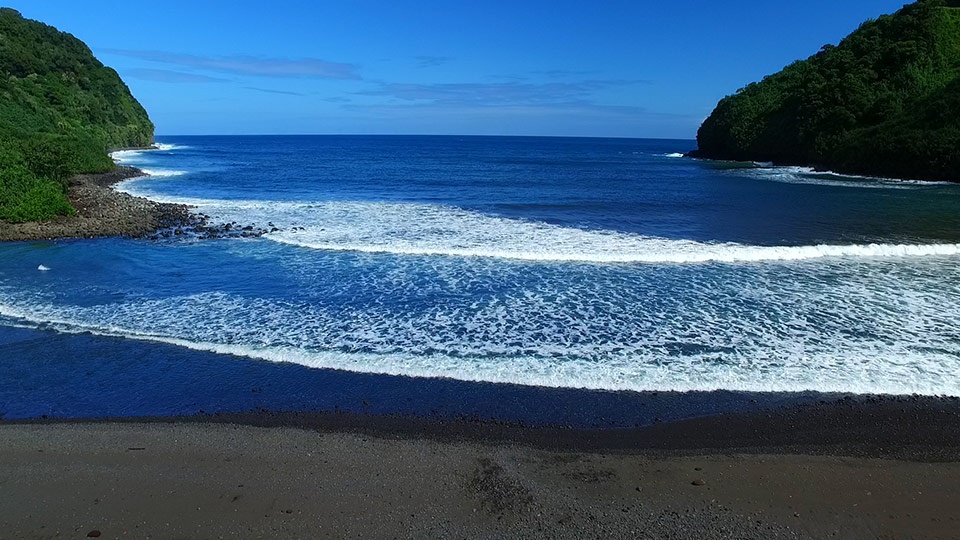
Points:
x=60 y=110
x=885 y=101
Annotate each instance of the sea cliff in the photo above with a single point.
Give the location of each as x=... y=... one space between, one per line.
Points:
x=885 y=101
x=60 y=110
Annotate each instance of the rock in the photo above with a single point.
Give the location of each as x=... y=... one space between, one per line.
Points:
x=101 y=211
x=94 y=534
x=699 y=482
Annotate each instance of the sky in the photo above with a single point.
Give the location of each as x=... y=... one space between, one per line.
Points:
x=519 y=67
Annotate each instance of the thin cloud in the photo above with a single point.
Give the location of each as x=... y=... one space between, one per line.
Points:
x=432 y=61
x=269 y=91
x=249 y=65
x=560 y=73
x=167 y=76
x=559 y=110
x=497 y=94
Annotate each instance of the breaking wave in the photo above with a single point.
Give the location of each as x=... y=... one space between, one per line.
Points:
x=440 y=230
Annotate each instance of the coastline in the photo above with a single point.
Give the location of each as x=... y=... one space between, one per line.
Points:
x=319 y=452
x=744 y=475
x=921 y=429
x=818 y=169
x=310 y=452
x=102 y=211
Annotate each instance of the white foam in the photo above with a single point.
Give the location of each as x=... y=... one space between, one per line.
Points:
x=418 y=229
x=163 y=173
x=126 y=156
x=876 y=334
x=643 y=250
x=809 y=175
x=439 y=230
x=883 y=179
x=43 y=268
x=166 y=147
x=674 y=155
x=134 y=156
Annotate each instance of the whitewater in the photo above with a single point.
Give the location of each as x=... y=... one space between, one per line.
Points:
x=601 y=264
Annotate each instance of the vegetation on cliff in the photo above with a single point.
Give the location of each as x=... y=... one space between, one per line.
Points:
x=60 y=110
x=885 y=101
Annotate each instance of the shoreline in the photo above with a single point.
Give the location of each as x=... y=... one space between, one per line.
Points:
x=330 y=453
x=118 y=378
x=818 y=169
x=102 y=212
x=921 y=429
x=742 y=475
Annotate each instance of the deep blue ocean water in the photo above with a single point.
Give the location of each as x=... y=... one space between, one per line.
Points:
x=605 y=264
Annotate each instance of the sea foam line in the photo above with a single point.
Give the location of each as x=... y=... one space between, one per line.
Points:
x=691 y=254
x=132 y=155
x=166 y=147
x=809 y=175
x=438 y=230
x=624 y=374
x=163 y=173
x=125 y=156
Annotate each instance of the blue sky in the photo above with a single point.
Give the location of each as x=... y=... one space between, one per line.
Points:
x=537 y=67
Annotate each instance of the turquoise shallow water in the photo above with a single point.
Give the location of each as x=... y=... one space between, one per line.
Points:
x=608 y=264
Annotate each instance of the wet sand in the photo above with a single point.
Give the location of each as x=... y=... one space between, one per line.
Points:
x=853 y=467
x=795 y=472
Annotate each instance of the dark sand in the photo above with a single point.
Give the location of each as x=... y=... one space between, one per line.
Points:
x=854 y=468
x=101 y=211
x=857 y=467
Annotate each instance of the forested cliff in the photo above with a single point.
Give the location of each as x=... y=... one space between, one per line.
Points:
x=60 y=111
x=885 y=101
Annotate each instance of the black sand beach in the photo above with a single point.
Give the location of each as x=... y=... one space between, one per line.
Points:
x=851 y=468
x=320 y=454
x=300 y=452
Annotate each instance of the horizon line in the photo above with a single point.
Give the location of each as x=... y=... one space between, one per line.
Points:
x=422 y=135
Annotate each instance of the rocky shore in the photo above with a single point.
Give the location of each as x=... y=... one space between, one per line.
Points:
x=103 y=211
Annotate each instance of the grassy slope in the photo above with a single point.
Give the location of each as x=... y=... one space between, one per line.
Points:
x=885 y=101
x=60 y=109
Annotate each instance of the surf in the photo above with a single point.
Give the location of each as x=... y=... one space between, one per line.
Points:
x=486 y=271
x=413 y=229
x=642 y=369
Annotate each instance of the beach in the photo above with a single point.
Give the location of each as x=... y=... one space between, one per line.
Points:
x=795 y=472
x=449 y=352
x=485 y=272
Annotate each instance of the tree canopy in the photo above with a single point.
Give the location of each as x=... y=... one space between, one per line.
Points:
x=60 y=111
x=885 y=101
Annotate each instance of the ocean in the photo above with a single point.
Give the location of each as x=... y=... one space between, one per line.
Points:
x=441 y=273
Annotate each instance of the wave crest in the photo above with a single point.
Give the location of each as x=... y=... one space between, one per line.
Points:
x=439 y=230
